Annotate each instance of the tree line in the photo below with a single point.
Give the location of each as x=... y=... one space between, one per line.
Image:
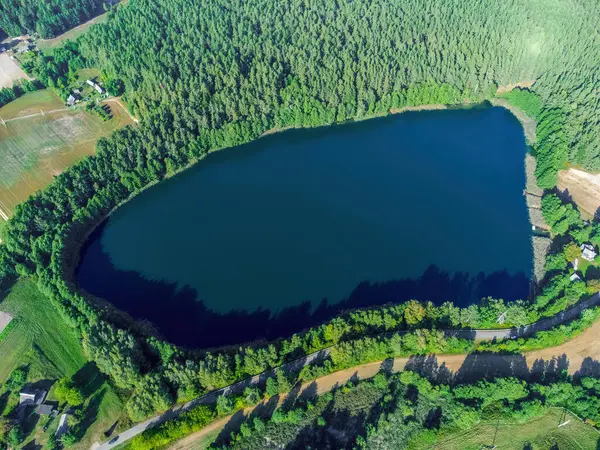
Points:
x=204 y=77
x=47 y=18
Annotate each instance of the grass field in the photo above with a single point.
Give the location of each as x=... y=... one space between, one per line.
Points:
x=541 y=433
x=31 y=103
x=42 y=342
x=39 y=337
x=40 y=138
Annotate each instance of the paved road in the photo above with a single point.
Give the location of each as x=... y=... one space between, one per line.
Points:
x=238 y=387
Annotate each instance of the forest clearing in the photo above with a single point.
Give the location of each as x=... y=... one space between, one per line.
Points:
x=40 y=138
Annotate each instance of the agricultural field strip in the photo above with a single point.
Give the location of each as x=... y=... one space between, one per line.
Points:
x=297 y=364
x=41 y=113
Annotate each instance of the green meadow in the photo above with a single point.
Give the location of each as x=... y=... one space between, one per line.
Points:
x=540 y=433
x=41 y=343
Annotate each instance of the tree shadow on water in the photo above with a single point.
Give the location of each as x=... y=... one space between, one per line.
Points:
x=183 y=318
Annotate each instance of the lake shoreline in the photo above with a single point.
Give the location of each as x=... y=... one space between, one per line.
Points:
x=415 y=125
x=73 y=259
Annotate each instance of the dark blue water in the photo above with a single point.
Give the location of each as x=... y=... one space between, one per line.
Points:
x=268 y=238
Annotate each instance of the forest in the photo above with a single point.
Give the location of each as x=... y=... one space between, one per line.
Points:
x=207 y=75
x=47 y=18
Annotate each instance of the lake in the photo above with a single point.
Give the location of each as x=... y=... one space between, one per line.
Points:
x=265 y=239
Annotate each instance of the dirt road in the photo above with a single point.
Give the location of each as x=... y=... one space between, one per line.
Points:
x=583 y=188
x=569 y=356
x=116 y=100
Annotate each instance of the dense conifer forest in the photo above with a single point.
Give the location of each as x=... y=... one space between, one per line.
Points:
x=207 y=75
x=48 y=18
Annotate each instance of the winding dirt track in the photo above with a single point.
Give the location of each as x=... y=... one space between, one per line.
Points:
x=578 y=355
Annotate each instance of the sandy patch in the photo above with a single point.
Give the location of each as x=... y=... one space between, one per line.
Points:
x=5 y=319
x=583 y=188
x=9 y=71
x=509 y=87
x=418 y=108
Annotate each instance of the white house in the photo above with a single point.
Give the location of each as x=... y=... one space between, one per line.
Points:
x=588 y=252
x=574 y=277
x=97 y=87
x=34 y=397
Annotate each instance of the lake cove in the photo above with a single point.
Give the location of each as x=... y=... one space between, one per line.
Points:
x=265 y=239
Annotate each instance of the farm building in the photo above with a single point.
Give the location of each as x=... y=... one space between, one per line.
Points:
x=97 y=87
x=33 y=397
x=63 y=425
x=27 y=398
x=5 y=320
x=588 y=252
x=44 y=409
x=574 y=277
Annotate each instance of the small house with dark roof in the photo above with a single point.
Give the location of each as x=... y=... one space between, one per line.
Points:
x=44 y=409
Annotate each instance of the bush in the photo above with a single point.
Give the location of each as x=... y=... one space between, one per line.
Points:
x=67 y=392
x=524 y=99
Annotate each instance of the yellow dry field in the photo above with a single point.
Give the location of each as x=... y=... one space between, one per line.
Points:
x=9 y=71
x=40 y=137
x=583 y=188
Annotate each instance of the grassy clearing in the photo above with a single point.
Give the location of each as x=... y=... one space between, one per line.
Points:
x=40 y=340
x=34 y=149
x=541 y=433
x=39 y=337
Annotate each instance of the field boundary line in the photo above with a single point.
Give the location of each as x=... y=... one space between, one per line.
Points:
x=29 y=116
